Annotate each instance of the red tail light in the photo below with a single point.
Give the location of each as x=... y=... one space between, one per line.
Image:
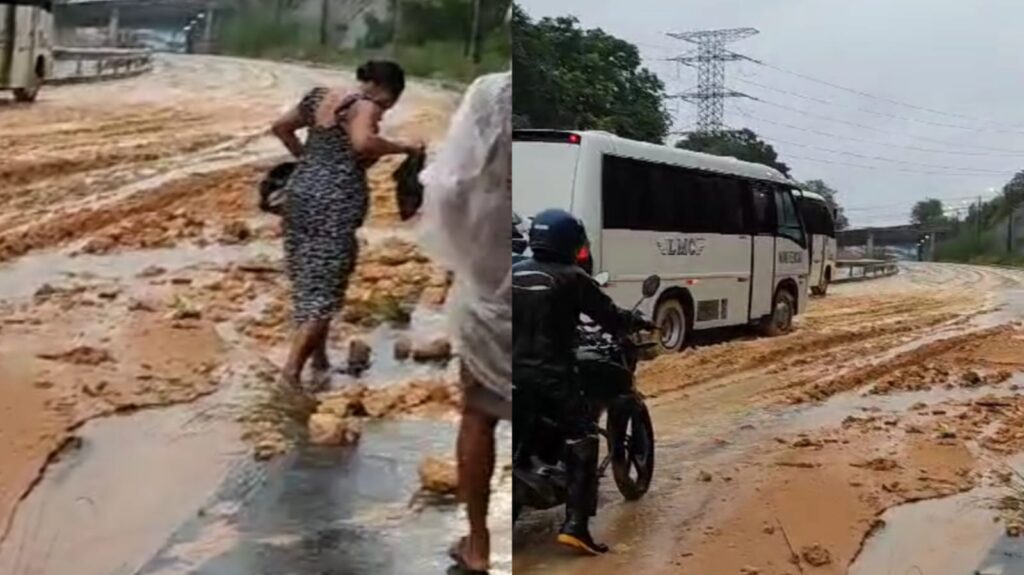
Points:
x=574 y=138
x=583 y=255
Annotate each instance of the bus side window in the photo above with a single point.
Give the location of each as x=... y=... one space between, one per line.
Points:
x=789 y=221
x=762 y=210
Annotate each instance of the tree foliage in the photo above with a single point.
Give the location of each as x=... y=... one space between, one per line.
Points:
x=570 y=78
x=822 y=189
x=929 y=212
x=432 y=20
x=740 y=144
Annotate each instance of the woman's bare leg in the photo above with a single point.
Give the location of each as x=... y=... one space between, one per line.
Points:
x=320 y=363
x=304 y=344
x=475 y=454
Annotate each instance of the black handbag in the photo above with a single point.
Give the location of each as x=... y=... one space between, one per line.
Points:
x=408 y=189
x=272 y=188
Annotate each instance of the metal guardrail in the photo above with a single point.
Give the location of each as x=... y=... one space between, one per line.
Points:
x=869 y=269
x=73 y=65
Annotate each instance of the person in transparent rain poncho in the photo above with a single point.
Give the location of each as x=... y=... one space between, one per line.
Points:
x=466 y=214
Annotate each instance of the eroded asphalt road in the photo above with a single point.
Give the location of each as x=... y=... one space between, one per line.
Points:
x=142 y=311
x=780 y=456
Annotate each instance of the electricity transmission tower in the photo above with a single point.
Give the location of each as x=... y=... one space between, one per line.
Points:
x=709 y=58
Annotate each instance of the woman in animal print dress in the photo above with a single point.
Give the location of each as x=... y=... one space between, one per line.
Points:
x=327 y=199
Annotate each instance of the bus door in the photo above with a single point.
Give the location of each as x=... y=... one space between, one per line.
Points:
x=817 y=251
x=764 y=228
x=791 y=255
x=6 y=42
x=20 y=44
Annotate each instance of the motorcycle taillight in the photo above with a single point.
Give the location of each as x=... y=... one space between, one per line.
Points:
x=583 y=255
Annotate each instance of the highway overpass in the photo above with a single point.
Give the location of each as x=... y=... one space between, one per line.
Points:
x=115 y=15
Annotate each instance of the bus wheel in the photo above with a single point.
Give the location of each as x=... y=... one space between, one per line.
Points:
x=670 y=317
x=781 y=319
x=26 y=94
x=821 y=289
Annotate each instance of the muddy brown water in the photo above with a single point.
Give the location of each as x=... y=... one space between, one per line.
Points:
x=173 y=490
x=716 y=427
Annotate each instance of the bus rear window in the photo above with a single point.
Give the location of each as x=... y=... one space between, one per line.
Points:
x=543 y=176
x=817 y=217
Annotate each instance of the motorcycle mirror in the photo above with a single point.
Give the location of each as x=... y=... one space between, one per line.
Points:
x=651 y=285
x=602 y=279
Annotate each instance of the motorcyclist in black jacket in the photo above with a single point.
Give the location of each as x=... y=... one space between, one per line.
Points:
x=549 y=292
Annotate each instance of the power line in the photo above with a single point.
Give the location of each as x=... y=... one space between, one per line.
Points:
x=871 y=128
x=877 y=113
x=884 y=168
x=877 y=143
x=971 y=198
x=868 y=95
x=892 y=161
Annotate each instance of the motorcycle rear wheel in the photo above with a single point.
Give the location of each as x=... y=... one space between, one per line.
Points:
x=631 y=445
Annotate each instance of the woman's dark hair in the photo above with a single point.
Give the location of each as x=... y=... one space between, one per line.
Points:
x=385 y=74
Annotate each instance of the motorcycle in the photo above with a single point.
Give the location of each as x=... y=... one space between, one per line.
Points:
x=607 y=365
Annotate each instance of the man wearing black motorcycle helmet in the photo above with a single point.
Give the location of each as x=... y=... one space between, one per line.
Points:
x=549 y=292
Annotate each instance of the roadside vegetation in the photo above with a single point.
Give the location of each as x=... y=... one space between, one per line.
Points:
x=431 y=39
x=985 y=232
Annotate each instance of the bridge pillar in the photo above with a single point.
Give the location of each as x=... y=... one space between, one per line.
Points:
x=114 y=27
x=204 y=40
x=208 y=27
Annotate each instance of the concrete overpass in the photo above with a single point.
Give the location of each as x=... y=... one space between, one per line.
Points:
x=906 y=237
x=144 y=14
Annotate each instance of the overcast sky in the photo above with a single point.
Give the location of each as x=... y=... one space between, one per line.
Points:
x=964 y=58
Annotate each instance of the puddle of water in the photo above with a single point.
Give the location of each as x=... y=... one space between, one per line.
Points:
x=104 y=508
x=953 y=535
x=385 y=368
x=426 y=323
x=24 y=276
x=173 y=491
x=838 y=407
x=335 y=510
x=949 y=536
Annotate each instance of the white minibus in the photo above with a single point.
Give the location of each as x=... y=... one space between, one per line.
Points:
x=26 y=46
x=726 y=236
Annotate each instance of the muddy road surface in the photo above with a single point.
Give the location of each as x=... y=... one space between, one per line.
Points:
x=144 y=314
x=879 y=437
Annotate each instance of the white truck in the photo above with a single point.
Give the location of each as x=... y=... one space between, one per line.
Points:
x=26 y=46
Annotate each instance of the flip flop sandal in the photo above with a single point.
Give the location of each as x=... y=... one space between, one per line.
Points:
x=460 y=567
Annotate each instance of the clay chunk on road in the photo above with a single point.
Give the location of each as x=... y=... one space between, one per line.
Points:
x=328 y=429
x=439 y=476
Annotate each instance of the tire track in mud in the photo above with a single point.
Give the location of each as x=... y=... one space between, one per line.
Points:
x=807 y=350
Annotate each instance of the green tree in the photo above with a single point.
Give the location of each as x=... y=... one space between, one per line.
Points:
x=1012 y=196
x=929 y=212
x=570 y=78
x=740 y=144
x=822 y=189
